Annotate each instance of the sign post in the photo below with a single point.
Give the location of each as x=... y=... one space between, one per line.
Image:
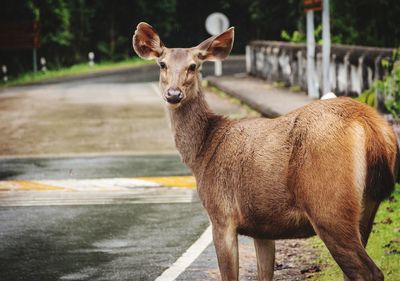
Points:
x=23 y=35
x=217 y=23
x=36 y=44
x=312 y=91
x=309 y=7
x=326 y=48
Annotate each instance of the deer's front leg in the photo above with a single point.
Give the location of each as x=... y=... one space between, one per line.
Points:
x=226 y=246
x=265 y=251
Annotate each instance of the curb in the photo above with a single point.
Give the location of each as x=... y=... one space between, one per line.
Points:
x=264 y=110
x=269 y=101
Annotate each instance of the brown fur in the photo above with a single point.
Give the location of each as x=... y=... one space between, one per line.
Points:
x=323 y=168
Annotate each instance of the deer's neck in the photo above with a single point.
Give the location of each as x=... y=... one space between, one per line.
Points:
x=190 y=124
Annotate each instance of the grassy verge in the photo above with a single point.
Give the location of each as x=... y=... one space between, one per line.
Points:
x=383 y=245
x=71 y=71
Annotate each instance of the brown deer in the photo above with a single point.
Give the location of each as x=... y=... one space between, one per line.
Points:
x=322 y=169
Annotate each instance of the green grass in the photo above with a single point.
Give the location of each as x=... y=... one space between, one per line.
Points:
x=383 y=245
x=72 y=71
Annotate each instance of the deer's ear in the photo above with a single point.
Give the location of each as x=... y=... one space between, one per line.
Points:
x=217 y=47
x=146 y=42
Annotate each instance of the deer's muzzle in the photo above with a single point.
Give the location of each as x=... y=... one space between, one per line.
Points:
x=174 y=95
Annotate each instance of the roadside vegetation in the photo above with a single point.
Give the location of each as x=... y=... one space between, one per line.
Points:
x=74 y=70
x=385 y=93
x=69 y=30
x=383 y=245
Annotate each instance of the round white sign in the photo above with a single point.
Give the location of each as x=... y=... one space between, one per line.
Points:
x=216 y=23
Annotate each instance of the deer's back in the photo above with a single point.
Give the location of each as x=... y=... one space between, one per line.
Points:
x=259 y=169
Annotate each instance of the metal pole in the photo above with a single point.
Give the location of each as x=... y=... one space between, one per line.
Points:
x=34 y=60
x=326 y=48
x=312 y=92
x=218 y=64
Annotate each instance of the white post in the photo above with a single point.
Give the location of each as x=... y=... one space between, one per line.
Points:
x=4 y=71
x=218 y=68
x=312 y=92
x=326 y=48
x=248 y=59
x=91 y=59
x=43 y=64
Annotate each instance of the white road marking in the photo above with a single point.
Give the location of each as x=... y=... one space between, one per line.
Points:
x=188 y=257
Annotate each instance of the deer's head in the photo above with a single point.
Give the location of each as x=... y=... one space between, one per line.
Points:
x=179 y=68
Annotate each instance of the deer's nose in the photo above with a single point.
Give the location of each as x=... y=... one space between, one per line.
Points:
x=174 y=95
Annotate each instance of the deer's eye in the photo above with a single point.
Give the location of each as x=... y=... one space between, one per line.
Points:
x=192 y=67
x=163 y=65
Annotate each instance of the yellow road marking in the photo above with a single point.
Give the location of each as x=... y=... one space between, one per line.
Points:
x=27 y=185
x=23 y=185
x=178 y=181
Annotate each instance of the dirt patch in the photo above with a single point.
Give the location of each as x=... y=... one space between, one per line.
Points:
x=295 y=260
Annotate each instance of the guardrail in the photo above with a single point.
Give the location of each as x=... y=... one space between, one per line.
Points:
x=352 y=68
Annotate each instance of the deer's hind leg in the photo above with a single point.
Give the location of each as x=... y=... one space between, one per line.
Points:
x=370 y=207
x=367 y=219
x=334 y=209
x=343 y=240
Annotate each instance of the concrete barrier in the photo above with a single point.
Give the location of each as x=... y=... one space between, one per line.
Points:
x=352 y=68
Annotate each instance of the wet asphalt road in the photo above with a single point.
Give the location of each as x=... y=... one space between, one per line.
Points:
x=116 y=242
x=91 y=167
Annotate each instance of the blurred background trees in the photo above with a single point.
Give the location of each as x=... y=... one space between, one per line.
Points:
x=72 y=28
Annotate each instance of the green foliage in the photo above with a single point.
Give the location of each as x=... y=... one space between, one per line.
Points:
x=107 y=49
x=55 y=17
x=388 y=87
x=367 y=22
x=257 y=11
x=71 y=29
x=165 y=24
x=34 y=9
x=391 y=89
x=296 y=37
x=367 y=97
x=354 y=22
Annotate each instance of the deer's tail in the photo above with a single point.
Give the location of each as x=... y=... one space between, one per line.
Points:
x=383 y=161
